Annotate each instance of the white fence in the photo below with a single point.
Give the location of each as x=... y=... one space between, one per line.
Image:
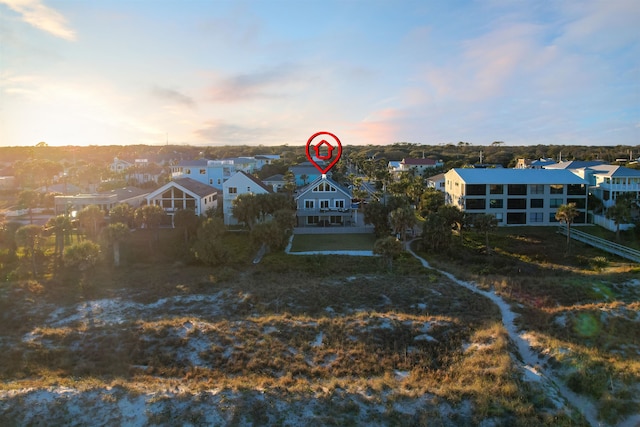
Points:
x=609 y=224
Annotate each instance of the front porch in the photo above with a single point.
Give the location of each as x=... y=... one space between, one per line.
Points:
x=331 y=221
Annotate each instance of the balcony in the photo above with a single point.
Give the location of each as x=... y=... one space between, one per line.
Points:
x=324 y=211
x=619 y=187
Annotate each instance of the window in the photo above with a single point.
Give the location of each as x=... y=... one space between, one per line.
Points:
x=210 y=181
x=187 y=171
x=313 y=219
x=496 y=189
x=554 y=203
x=335 y=219
x=324 y=204
x=536 y=189
x=495 y=203
x=323 y=187
x=248 y=189
x=576 y=190
x=309 y=204
x=476 y=189
x=203 y=171
x=339 y=203
x=233 y=190
x=552 y=217
x=580 y=203
x=516 y=218
x=517 y=190
x=536 y=217
x=476 y=204
x=556 y=188
x=219 y=181
x=516 y=203
x=536 y=203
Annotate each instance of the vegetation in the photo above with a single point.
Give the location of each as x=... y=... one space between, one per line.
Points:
x=566 y=214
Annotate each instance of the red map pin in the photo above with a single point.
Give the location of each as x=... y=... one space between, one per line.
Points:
x=324 y=146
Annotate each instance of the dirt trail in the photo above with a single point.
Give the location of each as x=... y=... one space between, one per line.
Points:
x=528 y=356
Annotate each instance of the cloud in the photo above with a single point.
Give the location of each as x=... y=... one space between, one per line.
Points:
x=268 y=83
x=173 y=96
x=34 y=12
x=223 y=133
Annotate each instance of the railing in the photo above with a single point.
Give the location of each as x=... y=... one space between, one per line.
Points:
x=605 y=245
x=324 y=211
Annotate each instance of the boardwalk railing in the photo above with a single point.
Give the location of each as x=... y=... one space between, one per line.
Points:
x=605 y=245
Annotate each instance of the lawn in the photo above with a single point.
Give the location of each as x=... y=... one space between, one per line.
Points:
x=332 y=242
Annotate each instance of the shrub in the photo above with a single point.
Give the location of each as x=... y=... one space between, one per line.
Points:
x=599 y=263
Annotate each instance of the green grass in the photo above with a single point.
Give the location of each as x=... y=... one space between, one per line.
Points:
x=627 y=238
x=332 y=242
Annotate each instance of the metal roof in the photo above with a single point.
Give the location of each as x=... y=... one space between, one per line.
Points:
x=517 y=176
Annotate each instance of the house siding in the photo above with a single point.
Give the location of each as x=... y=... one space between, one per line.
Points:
x=515 y=203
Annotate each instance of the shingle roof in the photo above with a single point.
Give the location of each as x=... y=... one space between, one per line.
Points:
x=317 y=180
x=418 y=162
x=196 y=187
x=518 y=176
x=277 y=177
x=257 y=181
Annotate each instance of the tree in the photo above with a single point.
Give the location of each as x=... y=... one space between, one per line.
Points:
x=376 y=213
x=270 y=234
x=388 y=247
x=485 y=223
x=114 y=234
x=286 y=219
x=188 y=221
x=304 y=177
x=436 y=232
x=28 y=199
x=29 y=236
x=82 y=256
x=566 y=214
x=289 y=182
x=620 y=213
x=60 y=226
x=91 y=219
x=401 y=219
x=430 y=201
x=454 y=217
x=123 y=213
x=150 y=217
x=208 y=248
x=245 y=209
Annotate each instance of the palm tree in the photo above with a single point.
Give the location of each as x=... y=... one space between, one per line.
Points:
x=29 y=237
x=90 y=219
x=60 y=225
x=566 y=214
x=116 y=233
x=620 y=213
x=388 y=247
x=484 y=223
x=188 y=221
x=401 y=219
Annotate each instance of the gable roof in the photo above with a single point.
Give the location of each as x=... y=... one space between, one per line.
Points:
x=575 y=164
x=250 y=177
x=614 y=171
x=437 y=177
x=195 y=187
x=317 y=181
x=517 y=176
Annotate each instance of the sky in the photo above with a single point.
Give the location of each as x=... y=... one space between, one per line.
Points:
x=271 y=72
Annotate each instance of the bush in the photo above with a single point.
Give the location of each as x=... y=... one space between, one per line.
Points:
x=599 y=263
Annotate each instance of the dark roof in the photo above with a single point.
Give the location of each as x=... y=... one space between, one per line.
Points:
x=196 y=187
x=277 y=177
x=257 y=181
x=418 y=162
